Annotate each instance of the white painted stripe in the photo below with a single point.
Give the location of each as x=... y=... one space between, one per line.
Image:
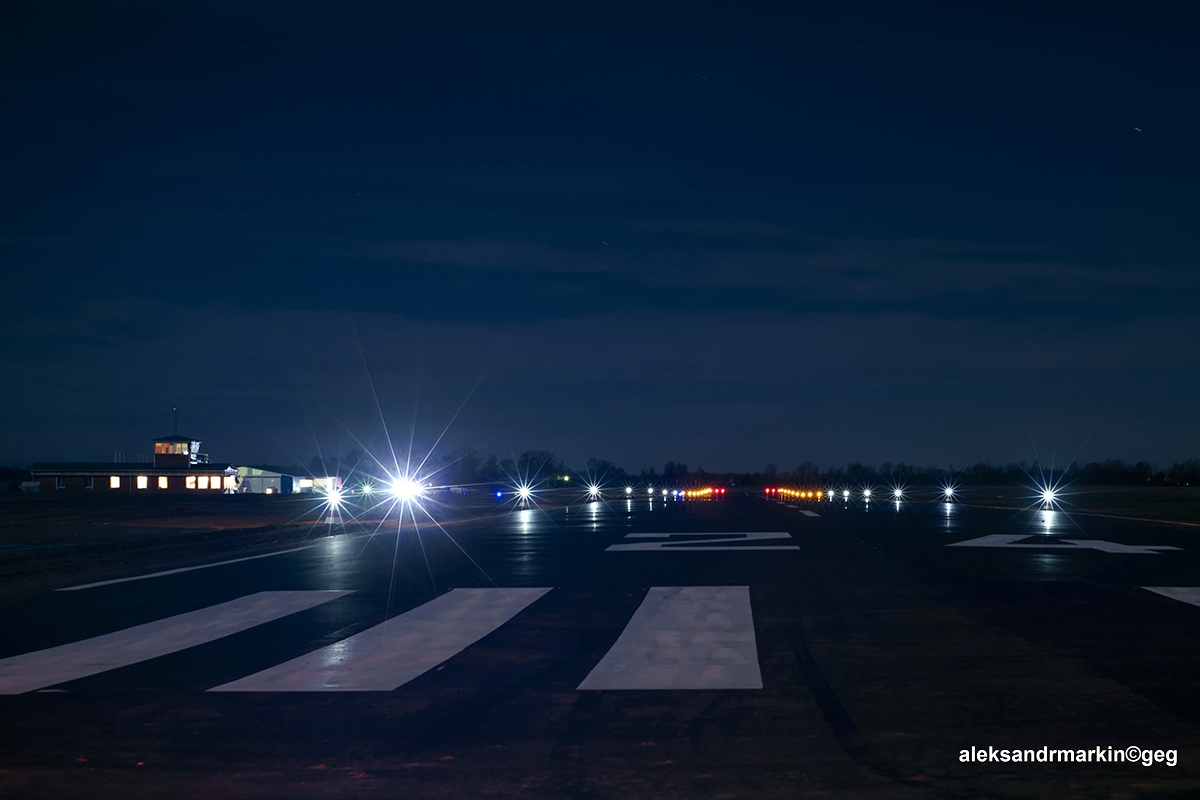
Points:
x=189 y=569
x=67 y=662
x=737 y=540
x=394 y=652
x=1009 y=540
x=1184 y=594
x=808 y=513
x=684 y=637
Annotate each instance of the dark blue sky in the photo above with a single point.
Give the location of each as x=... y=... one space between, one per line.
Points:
x=851 y=231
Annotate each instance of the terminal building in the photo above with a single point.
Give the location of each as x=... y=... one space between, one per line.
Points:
x=178 y=468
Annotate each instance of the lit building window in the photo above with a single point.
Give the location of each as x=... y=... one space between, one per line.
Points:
x=306 y=483
x=143 y=482
x=114 y=481
x=190 y=481
x=203 y=481
x=229 y=481
x=216 y=482
x=162 y=481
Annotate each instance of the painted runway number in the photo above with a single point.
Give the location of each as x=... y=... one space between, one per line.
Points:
x=1010 y=541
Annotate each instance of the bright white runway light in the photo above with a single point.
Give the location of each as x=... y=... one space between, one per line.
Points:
x=524 y=492
x=334 y=498
x=368 y=489
x=949 y=492
x=650 y=491
x=846 y=494
x=628 y=490
x=593 y=490
x=899 y=493
x=867 y=494
x=407 y=490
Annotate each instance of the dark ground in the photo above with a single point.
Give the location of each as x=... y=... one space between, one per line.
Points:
x=883 y=654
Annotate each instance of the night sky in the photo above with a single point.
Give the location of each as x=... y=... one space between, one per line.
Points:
x=726 y=236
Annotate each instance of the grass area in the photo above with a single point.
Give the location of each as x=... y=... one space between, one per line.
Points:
x=1167 y=503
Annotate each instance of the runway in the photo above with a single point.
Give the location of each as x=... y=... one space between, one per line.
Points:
x=738 y=647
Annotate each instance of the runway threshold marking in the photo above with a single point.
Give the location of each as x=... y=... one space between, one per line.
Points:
x=1184 y=594
x=1010 y=540
x=25 y=673
x=808 y=513
x=684 y=637
x=394 y=652
x=739 y=541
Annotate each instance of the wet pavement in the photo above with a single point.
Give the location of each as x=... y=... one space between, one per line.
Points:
x=731 y=648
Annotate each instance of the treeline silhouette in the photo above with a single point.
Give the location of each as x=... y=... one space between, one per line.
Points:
x=468 y=466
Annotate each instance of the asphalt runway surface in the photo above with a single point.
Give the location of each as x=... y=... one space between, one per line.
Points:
x=731 y=648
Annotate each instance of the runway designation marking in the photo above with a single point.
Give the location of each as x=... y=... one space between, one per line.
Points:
x=394 y=652
x=1184 y=594
x=684 y=637
x=739 y=540
x=1009 y=540
x=68 y=662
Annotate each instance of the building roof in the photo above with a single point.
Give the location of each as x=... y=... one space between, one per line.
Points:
x=111 y=467
x=175 y=438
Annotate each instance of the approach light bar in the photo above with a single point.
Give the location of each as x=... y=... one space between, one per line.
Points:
x=794 y=494
x=707 y=491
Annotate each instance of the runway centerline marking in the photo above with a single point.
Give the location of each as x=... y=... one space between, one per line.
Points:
x=1008 y=540
x=80 y=659
x=738 y=539
x=394 y=652
x=1184 y=594
x=684 y=637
